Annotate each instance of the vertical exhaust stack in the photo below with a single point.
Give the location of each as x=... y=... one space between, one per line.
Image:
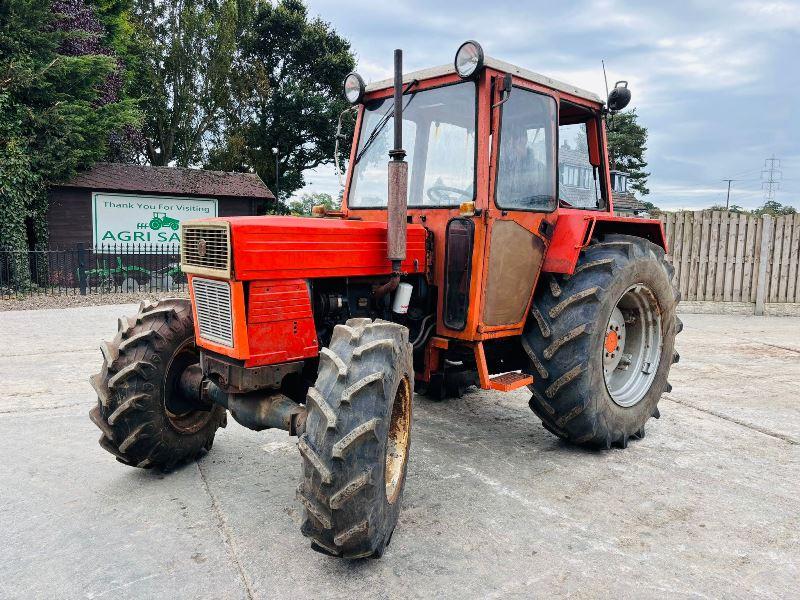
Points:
x=398 y=178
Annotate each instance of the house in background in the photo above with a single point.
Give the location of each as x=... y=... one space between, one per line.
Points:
x=576 y=183
x=144 y=205
x=625 y=203
x=578 y=187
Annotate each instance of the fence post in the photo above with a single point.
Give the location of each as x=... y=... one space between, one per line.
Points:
x=82 y=269
x=763 y=260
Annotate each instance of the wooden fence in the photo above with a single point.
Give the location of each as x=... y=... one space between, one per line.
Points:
x=729 y=257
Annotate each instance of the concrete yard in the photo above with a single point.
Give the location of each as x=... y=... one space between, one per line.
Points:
x=706 y=506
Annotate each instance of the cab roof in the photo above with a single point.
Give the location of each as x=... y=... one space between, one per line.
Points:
x=492 y=63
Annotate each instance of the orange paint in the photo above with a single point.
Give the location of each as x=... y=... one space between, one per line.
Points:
x=612 y=341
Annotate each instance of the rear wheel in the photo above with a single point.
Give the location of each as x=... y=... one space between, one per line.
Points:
x=601 y=342
x=144 y=411
x=356 y=445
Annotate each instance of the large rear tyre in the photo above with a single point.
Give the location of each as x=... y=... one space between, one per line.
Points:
x=143 y=412
x=355 y=449
x=601 y=343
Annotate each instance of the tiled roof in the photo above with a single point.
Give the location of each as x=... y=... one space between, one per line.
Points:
x=628 y=202
x=171 y=180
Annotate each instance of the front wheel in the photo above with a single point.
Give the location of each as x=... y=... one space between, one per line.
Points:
x=355 y=449
x=601 y=342
x=143 y=410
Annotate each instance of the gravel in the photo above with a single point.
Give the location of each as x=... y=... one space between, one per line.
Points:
x=46 y=301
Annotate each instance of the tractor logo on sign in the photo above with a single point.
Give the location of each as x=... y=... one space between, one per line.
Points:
x=202 y=246
x=160 y=220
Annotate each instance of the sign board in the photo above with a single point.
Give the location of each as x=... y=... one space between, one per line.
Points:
x=145 y=222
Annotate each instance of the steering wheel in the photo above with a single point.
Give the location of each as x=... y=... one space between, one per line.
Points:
x=439 y=194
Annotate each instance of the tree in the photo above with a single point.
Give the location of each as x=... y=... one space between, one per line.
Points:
x=774 y=208
x=182 y=65
x=734 y=208
x=307 y=201
x=59 y=103
x=651 y=207
x=287 y=95
x=627 y=144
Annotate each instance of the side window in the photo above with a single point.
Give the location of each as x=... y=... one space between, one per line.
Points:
x=578 y=181
x=526 y=173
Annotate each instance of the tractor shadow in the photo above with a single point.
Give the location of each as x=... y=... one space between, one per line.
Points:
x=501 y=421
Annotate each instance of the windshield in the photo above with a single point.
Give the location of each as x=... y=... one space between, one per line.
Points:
x=439 y=139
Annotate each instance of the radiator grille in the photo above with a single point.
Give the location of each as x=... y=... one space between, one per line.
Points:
x=213 y=304
x=205 y=249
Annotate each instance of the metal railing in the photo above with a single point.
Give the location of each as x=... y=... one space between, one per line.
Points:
x=107 y=269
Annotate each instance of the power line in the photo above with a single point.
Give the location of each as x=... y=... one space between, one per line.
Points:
x=771 y=178
x=747 y=172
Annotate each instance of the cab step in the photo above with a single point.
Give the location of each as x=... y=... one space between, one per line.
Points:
x=509 y=381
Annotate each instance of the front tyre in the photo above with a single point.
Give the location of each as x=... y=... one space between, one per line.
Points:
x=601 y=342
x=143 y=412
x=355 y=449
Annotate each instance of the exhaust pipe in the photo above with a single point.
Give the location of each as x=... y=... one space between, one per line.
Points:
x=398 y=179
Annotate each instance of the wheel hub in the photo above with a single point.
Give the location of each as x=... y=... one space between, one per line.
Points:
x=180 y=391
x=614 y=343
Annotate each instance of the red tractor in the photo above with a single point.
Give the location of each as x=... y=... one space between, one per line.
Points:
x=476 y=245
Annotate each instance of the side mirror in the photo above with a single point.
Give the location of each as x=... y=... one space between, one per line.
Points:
x=340 y=135
x=505 y=89
x=619 y=97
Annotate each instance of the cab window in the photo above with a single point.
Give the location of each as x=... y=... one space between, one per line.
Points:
x=579 y=181
x=526 y=172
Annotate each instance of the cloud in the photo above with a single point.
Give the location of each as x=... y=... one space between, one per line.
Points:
x=715 y=82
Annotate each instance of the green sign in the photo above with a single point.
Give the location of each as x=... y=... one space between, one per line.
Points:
x=152 y=222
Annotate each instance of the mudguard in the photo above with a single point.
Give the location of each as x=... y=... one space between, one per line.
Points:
x=576 y=228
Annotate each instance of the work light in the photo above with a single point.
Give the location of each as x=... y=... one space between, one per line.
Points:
x=353 y=88
x=469 y=59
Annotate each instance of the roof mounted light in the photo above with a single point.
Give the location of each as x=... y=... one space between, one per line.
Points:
x=353 y=88
x=469 y=59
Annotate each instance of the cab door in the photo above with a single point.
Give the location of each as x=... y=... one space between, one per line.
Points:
x=523 y=198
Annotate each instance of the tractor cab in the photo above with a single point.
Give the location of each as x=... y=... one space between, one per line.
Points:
x=502 y=163
x=532 y=133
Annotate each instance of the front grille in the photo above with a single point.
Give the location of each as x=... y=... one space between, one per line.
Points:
x=213 y=304
x=205 y=249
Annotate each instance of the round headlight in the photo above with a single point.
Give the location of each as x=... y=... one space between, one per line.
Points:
x=469 y=58
x=353 y=88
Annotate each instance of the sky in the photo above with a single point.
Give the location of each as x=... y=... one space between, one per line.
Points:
x=717 y=84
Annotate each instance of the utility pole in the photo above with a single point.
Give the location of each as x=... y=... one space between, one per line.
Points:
x=771 y=178
x=277 y=176
x=728 y=198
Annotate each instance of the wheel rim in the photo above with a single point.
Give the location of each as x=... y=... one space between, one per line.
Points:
x=397 y=444
x=632 y=346
x=176 y=405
